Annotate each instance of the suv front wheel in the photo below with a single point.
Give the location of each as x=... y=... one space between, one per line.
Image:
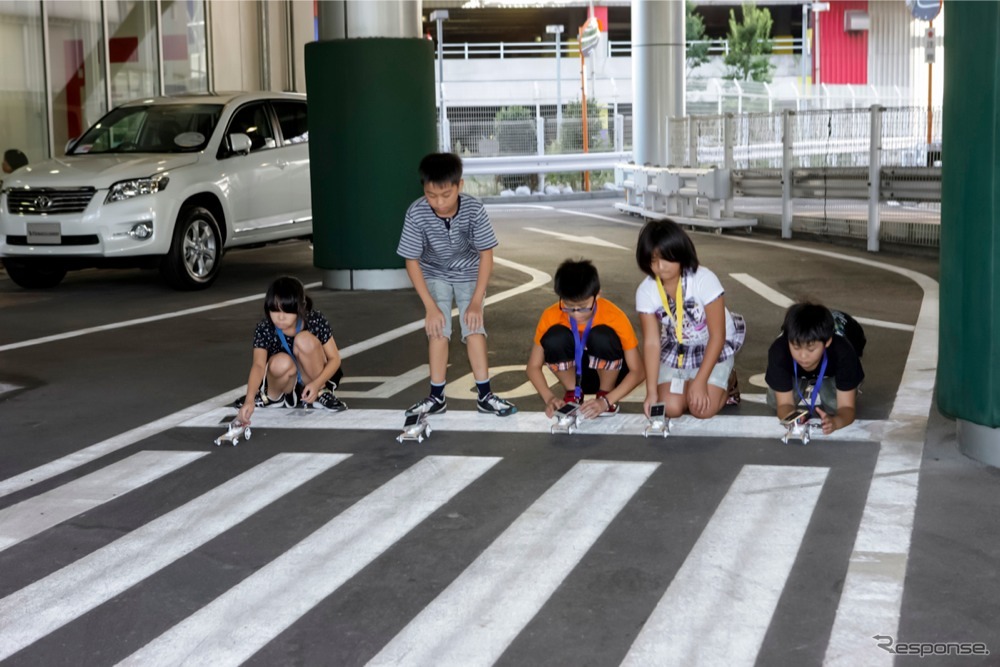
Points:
x=196 y=251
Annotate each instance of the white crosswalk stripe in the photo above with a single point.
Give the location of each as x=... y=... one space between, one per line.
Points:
x=50 y=603
x=719 y=605
x=723 y=596
x=474 y=619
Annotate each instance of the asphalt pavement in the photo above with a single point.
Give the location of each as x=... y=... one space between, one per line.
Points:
x=126 y=535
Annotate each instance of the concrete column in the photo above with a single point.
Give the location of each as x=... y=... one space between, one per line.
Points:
x=369 y=64
x=657 y=76
x=968 y=374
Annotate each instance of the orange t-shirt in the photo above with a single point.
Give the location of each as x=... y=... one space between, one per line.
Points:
x=607 y=313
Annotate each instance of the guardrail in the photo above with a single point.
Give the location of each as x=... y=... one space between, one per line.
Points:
x=542 y=164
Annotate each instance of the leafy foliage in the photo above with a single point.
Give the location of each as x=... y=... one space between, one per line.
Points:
x=694 y=26
x=750 y=45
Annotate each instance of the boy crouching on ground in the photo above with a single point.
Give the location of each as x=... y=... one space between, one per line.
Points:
x=584 y=333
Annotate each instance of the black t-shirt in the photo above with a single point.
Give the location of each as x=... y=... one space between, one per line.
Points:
x=842 y=364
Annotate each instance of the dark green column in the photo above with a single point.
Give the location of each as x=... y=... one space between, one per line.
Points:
x=371 y=120
x=968 y=376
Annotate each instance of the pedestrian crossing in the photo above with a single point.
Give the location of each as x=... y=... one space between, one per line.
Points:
x=720 y=599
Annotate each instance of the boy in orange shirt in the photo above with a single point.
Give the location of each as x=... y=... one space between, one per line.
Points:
x=584 y=332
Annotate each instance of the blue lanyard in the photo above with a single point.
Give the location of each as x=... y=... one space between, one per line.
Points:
x=815 y=391
x=579 y=344
x=288 y=349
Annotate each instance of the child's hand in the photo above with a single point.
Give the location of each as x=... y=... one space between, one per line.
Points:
x=593 y=408
x=434 y=323
x=651 y=398
x=552 y=405
x=474 y=316
x=829 y=426
x=245 y=412
x=309 y=393
x=697 y=396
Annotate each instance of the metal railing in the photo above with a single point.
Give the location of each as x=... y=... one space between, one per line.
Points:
x=570 y=48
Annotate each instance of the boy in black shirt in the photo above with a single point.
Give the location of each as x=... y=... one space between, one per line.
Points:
x=815 y=364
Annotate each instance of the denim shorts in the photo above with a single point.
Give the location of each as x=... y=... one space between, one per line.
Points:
x=718 y=378
x=445 y=294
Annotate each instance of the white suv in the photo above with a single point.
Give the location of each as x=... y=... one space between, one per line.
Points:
x=166 y=182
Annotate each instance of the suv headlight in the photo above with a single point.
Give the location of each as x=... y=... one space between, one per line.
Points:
x=136 y=187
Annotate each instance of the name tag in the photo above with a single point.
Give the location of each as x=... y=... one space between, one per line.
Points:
x=677 y=386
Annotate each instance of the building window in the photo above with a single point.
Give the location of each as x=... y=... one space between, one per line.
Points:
x=76 y=64
x=22 y=87
x=185 y=53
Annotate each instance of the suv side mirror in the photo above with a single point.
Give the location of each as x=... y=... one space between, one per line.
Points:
x=239 y=143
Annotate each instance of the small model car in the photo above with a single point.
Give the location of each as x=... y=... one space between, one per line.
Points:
x=659 y=423
x=567 y=418
x=416 y=428
x=232 y=435
x=799 y=426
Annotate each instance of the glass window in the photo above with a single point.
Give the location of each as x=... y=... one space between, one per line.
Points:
x=132 y=50
x=292 y=119
x=76 y=62
x=157 y=128
x=185 y=60
x=23 y=117
x=252 y=120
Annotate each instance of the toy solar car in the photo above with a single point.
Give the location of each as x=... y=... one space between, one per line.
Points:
x=659 y=423
x=232 y=435
x=415 y=428
x=566 y=419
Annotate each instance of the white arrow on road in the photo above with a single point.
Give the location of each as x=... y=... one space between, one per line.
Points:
x=589 y=240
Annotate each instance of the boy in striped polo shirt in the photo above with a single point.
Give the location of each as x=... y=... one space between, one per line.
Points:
x=448 y=242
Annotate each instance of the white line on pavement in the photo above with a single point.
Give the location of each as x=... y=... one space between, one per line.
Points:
x=782 y=301
x=465 y=421
x=49 y=603
x=31 y=517
x=588 y=240
x=478 y=615
x=719 y=605
x=140 y=320
x=237 y=624
x=78 y=458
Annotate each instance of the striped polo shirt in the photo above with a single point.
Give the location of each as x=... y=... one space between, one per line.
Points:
x=447 y=251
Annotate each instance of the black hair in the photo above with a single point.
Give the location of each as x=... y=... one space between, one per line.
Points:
x=15 y=159
x=576 y=280
x=666 y=239
x=441 y=169
x=287 y=295
x=807 y=322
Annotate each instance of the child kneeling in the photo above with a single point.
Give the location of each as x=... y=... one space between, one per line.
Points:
x=584 y=332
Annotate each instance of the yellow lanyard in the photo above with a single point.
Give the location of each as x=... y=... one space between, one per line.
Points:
x=679 y=315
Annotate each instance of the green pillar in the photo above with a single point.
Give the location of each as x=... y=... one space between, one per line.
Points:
x=968 y=375
x=371 y=120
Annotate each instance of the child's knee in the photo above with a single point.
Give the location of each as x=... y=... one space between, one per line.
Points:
x=306 y=343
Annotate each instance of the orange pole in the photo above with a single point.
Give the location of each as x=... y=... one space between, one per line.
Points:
x=583 y=113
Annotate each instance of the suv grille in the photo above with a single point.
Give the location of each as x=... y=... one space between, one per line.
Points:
x=46 y=201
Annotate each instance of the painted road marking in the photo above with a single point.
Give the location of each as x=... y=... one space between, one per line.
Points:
x=469 y=421
x=139 y=320
x=87 y=454
x=783 y=302
x=570 y=238
x=49 y=603
x=718 y=607
x=240 y=622
x=478 y=615
x=31 y=517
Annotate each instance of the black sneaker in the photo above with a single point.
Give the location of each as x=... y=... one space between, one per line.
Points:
x=428 y=406
x=262 y=400
x=493 y=404
x=327 y=401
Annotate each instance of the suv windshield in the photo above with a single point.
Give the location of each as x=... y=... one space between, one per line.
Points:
x=158 y=128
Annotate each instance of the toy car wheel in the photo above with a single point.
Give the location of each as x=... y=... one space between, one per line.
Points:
x=427 y=432
x=246 y=433
x=784 y=439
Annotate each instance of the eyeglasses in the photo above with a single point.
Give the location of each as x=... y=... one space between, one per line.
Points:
x=571 y=310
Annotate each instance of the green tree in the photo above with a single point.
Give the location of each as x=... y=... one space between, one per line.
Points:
x=694 y=26
x=750 y=45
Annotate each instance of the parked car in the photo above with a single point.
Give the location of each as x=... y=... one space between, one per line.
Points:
x=167 y=182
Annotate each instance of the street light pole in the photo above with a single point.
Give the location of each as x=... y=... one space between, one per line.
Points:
x=439 y=16
x=557 y=30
